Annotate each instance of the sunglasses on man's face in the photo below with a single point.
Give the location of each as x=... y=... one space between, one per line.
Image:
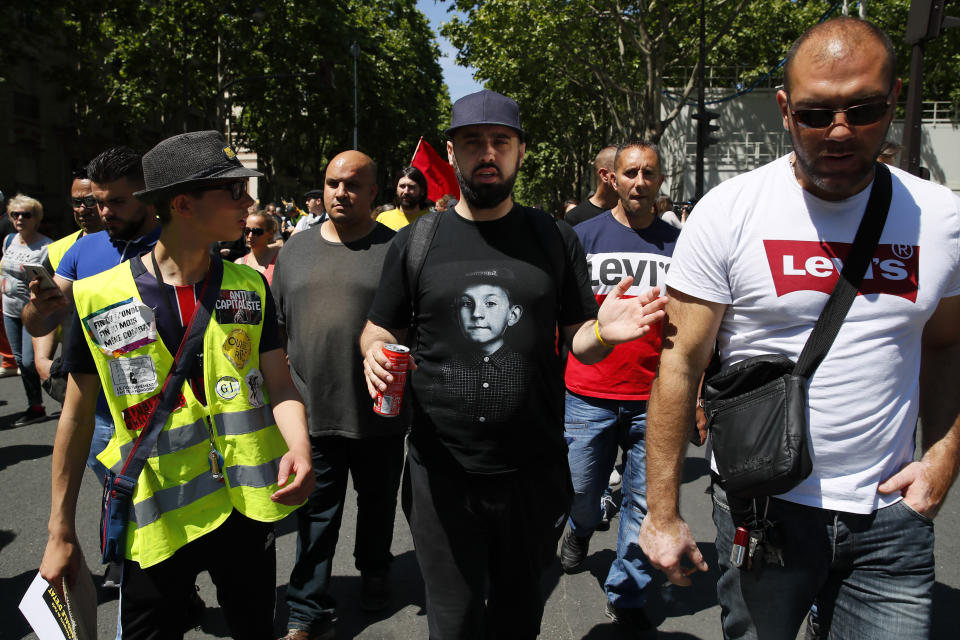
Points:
x=857 y=116
x=256 y=232
x=236 y=189
x=89 y=202
x=26 y=215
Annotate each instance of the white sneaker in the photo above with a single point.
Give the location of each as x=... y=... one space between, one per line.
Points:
x=614 y=479
x=6 y=373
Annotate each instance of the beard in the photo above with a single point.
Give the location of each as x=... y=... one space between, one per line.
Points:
x=408 y=201
x=834 y=183
x=485 y=196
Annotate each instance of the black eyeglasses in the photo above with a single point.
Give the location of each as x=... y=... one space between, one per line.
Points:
x=254 y=231
x=89 y=202
x=236 y=189
x=26 y=215
x=857 y=116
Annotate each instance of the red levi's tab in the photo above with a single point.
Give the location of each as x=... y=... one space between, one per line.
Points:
x=801 y=265
x=136 y=416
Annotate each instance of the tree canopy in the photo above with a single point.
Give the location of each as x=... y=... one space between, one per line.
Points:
x=137 y=71
x=588 y=73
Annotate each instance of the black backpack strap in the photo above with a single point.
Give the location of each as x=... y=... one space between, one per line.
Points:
x=861 y=253
x=422 y=232
x=190 y=346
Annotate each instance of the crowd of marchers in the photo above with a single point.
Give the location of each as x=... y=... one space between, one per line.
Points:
x=218 y=360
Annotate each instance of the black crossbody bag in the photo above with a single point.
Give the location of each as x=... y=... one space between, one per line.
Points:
x=756 y=410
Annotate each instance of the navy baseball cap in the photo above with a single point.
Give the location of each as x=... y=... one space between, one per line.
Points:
x=485 y=107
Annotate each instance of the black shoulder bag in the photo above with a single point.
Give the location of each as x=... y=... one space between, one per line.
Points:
x=118 y=488
x=756 y=409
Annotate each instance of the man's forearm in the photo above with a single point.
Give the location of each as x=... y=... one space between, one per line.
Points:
x=586 y=347
x=940 y=414
x=671 y=416
x=70 y=451
x=373 y=333
x=38 y=324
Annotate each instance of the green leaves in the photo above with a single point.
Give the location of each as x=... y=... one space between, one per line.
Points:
x=588 y=73
x=137 y=71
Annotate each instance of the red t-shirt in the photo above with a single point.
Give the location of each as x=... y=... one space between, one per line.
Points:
x=614 y=251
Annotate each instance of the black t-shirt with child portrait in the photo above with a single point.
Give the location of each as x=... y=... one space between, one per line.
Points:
x=488 y=388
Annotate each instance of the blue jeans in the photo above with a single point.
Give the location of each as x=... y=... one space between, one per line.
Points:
x=375 y=464
x=102 y=432
x=22 y=348
x=871 y=576
x=595 y=430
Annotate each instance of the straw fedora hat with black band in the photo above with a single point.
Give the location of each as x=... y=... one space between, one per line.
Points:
x=189 y=160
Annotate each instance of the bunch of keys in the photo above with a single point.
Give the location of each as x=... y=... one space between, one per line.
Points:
x=216 y=464
x=759 y=545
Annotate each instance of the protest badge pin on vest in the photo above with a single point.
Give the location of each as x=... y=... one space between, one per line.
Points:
x=227 y=387
x=237 y=347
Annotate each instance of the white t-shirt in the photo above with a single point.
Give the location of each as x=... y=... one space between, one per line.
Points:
x=768 y=250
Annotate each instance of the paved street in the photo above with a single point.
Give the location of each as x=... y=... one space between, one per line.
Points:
x=574 y=608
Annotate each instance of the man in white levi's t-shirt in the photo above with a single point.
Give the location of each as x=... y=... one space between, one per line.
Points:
x=752 y=270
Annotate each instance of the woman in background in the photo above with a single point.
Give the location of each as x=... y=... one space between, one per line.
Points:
x=26 y=245
x=259 y=232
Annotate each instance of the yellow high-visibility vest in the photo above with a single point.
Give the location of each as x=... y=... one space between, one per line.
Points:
x=58 y=248
x=177 y=499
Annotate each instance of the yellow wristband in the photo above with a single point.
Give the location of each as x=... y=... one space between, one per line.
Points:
x=596 y=330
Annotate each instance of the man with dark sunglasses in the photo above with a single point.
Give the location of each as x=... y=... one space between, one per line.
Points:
x=751 y=273
x=85 y=213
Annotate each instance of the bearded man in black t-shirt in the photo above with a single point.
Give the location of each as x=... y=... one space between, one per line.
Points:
x=486 y=495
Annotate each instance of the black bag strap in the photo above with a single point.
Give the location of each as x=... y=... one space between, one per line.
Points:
x=190 y=346
x=861 y=253
x=422 y=232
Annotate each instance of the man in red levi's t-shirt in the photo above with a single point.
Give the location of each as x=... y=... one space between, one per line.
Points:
x=606 y=402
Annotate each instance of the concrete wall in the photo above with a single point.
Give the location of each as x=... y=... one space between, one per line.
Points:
x=752 y=134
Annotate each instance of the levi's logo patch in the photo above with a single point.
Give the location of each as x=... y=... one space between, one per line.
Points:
x=800 y=265
x=235 y=306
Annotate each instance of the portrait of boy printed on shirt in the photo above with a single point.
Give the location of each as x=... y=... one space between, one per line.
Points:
x=488 y=375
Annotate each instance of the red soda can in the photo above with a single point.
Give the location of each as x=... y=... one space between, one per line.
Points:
x=388 y=401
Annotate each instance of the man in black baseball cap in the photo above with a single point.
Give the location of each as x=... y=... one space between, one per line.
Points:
x=315 y=213
x=487 y=485
x=233 y=455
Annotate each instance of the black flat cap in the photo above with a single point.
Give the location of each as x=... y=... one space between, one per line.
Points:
x=313 y=193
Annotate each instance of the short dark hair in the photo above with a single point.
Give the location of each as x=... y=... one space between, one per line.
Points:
x=116 y=163
x=80 y=173
x=847 y=24
x=636 y=143
x=417 y=176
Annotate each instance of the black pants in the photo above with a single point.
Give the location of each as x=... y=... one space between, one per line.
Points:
x=482 y=543
x=375 y=465
x=240 y=556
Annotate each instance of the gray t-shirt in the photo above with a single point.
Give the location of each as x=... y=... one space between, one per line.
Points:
x=323 y=291
x=14 y=281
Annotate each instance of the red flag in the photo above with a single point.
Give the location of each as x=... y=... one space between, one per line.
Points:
x=441 y=179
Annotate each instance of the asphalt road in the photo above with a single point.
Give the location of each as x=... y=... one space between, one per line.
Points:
x=574 y=608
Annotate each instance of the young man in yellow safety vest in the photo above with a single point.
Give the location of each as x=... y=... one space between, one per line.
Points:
x=233 y=456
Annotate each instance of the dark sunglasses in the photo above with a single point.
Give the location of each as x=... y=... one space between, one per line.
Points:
x=89 y=202
x=857 y=116
x=236 y=189
x=256 y=232
x=26 y=215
